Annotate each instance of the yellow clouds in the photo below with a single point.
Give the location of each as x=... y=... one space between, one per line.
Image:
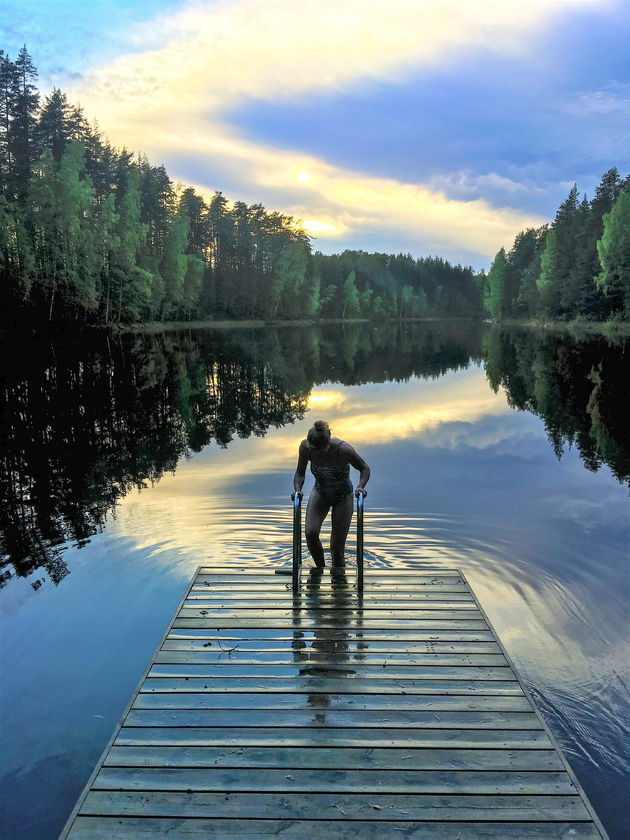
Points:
x=381 y=413
x=172 y=101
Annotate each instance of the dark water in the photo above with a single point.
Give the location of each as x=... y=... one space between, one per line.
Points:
x=129 y=461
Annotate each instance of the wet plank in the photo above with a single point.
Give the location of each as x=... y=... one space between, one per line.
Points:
x=329 y=686
x=347 y=702
x=129 y=828
x=347 y=758
x=294 y=806
x=332 y=781
x=327 y=714
x=328 y=737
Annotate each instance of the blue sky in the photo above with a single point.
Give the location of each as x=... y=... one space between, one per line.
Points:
x=416 y=125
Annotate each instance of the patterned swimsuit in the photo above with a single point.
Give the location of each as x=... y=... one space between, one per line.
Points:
x=332 y=483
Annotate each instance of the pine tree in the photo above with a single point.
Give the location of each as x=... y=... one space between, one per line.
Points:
x=614 y=255
x=496 y=280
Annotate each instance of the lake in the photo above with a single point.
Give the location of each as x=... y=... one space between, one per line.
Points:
x=129 y=460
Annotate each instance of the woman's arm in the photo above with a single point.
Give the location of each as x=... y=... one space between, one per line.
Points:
x=300 y=472
x=364 y=471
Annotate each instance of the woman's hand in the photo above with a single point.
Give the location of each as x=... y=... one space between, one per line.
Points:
x=360 y=491
x=300 y=494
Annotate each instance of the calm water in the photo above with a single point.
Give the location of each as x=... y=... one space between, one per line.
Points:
x=128 y=462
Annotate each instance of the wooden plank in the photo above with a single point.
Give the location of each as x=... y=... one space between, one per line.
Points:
x=342 y=718
x=281 y=612
x=267 y=572
x=330 y=622
x=326 y=685
x=333 y=781
x=343 y=758
x=452 y=591
x=359 y=635
x=351 y=648
x=296 y=806
x=130 y=828
x=208 y=736
x=325 y=659
x=347 y=702
x=351 y=671
x=371 y=589
x=319 y=601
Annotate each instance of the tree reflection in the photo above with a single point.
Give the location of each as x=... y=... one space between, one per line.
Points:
x=86 y=421
x=578 y=387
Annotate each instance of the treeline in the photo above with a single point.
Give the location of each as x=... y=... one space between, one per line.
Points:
x=93 y=234
x=576 y=267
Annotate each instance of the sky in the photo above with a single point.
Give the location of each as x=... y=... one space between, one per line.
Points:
x=438 y=127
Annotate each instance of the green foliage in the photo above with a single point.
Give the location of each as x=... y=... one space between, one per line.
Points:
x=496 y=283
x=614 y=255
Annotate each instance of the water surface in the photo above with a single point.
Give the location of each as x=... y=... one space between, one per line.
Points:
x=130 y=461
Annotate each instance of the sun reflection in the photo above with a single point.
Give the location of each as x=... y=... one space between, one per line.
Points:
x=326 y=399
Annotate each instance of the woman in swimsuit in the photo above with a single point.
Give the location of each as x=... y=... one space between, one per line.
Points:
x=330 y=464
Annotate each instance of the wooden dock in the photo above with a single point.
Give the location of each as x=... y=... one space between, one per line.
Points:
x=328 y=714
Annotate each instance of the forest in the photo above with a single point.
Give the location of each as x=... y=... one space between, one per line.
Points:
x=94 y=235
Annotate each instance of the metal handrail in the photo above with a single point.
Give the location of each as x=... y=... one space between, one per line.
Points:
x=297 y=539
x=360 y=542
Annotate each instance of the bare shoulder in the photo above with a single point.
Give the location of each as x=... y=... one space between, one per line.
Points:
x=349 y=454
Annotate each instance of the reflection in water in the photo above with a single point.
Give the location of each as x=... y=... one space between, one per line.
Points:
x=84 y=428
x=328 y=659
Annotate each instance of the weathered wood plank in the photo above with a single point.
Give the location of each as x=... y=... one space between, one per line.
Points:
x=351 y=671
x=333 y=781
x=343 y=758
x=331 y=612
x=331 y=622
x=342 y=718
x=266 y=572
x=371 y=589
x=296 y=806
x=329 y=685
x=350 y=648
x=318 y=594
x=325 y=604
x=531 y=739
x=131 y=828
x=306 y=701
x=359 y=635
x=325 y=658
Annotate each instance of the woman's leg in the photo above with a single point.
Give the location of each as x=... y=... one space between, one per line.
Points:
x=341 y=517
x=316 y=511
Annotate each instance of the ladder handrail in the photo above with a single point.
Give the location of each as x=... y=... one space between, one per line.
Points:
x=360 y=542
x=297 y=539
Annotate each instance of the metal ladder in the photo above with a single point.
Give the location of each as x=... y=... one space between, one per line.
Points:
x=297 y=541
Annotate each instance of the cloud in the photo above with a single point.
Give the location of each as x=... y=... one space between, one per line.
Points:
x=172 y=101
x=612 y=100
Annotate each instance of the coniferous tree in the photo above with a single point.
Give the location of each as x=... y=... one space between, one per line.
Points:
x=496 y=285
x=614 y=255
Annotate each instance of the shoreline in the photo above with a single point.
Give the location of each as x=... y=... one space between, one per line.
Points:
x=576 y=327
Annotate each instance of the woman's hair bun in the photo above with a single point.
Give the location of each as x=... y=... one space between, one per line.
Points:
x=319 y=434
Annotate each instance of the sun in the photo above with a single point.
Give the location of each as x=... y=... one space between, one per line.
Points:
x=303 y=177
